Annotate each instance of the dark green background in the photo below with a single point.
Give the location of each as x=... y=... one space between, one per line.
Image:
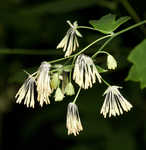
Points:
x=29 y=33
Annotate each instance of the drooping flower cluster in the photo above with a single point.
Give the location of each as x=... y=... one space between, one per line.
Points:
x=54 y=79
x=26 y=92
x=70 y=42
x=114 y=103
x=45 y=83
x=85 y=72
x=73 y=123
x=42 y=81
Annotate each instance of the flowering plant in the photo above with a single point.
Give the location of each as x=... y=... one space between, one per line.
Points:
x=55 y=77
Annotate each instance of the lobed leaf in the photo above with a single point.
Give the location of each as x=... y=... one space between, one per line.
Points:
x=138 y=70
x=108 y=23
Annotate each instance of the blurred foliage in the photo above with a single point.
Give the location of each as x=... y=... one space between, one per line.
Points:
x=137 y=57
x=29 y=33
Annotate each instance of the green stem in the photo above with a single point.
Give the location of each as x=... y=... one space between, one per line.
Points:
x=102 y=47
x=61 y=59
x=77 y=95
x=84 y=27
x=93 y=43
x=129 y=28
x=103 y=52
x=111 y=37
x=118 y=33
x=105 y=82
x=130 y=10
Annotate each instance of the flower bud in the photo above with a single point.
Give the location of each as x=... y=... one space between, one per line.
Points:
x=58 y=95
x=55 y=81
x=69 y=89
x=111 y=62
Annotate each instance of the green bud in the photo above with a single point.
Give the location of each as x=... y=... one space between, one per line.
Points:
x=69 y=89
x=111 y=62
x=55 y=81
x=58 y=95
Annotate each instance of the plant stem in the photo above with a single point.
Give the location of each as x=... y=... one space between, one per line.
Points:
x=102 y=47
x=84 y=27
x=129 y=28
x=118 y=33
x=105 y=82
x=77 y=95
x=53 y=52
x=130 y=10
x=97 y=40
x=111 y=37
x=93 y=43
x=103 y=52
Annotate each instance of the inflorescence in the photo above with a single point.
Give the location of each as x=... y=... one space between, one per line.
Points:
x=57 y=78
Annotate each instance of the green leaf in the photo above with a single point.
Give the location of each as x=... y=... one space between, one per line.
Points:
x=138 y=70
x=107 y=24
x=133 y=74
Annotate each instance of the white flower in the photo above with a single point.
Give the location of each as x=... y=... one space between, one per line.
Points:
x=73 y=122
x=85 y=72
x=70 y=42
x=111 y=62
x=26 y=92
x=43 y=83
x=114 y=103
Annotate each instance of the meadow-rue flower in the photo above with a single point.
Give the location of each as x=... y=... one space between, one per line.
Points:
x=111 y=62
x=73 y=122
x=85 y=72
x=43 y=83
x=69 y=89
x=26 y=92
x=59 y=95
x=70 y=42
x=114 y=103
